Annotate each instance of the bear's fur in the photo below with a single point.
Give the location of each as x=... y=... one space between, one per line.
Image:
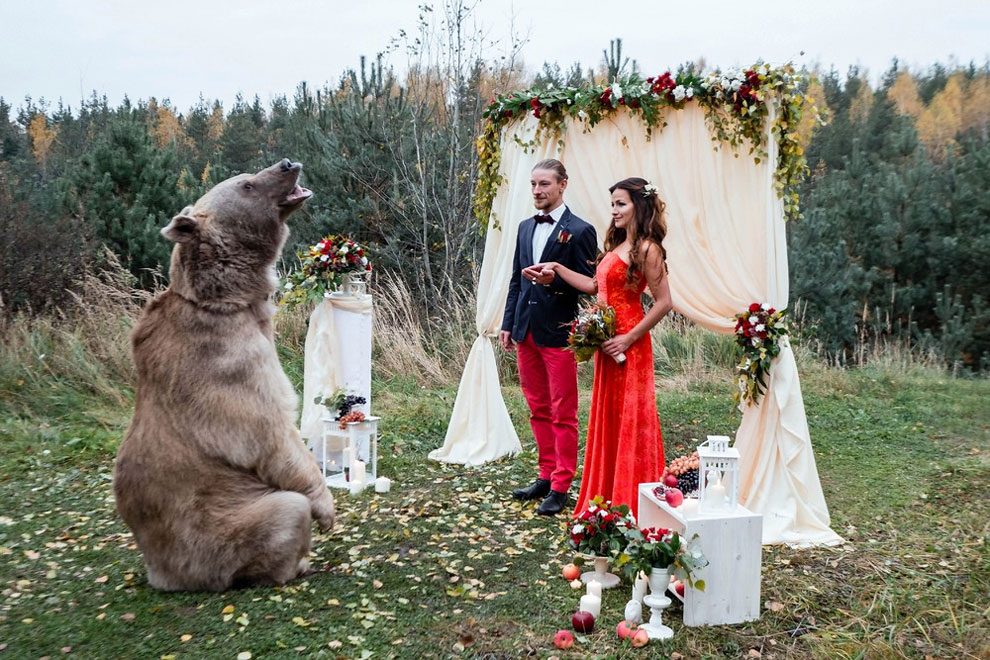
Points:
x=212 y=476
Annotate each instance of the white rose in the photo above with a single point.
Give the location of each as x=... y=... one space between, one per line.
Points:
x=364 y=261
x=690 y=92
x=616 y=91
x=754 y=319
x=342 y=250
x=760 y=327
x=577 y=529
x=679 y=93
x=765 y=306
x=735 y=85
x=324 y=258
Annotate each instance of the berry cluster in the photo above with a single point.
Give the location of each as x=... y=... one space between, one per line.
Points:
x=355 y=416
x=347 y=403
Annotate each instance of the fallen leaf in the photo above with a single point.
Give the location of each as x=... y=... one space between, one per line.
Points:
x=66 y=649
x=774 y=606
x=185 y=638
x=101 y=579
x=227 y=610
x=335 y=644
x=753 y=653
x=377 y=584
x=129 y=616
x=244 y=655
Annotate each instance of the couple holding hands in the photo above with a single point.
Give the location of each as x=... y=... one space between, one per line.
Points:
x=554 y=262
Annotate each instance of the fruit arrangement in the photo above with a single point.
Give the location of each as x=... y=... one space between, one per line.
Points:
x=353 y=416
x=685 y=470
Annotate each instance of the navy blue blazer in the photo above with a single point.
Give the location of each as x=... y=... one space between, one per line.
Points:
x=547 y=311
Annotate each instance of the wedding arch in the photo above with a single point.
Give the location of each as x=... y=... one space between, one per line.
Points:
x=723 y=150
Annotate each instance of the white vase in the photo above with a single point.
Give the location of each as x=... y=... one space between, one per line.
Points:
x=600 y=574
x=659 y=580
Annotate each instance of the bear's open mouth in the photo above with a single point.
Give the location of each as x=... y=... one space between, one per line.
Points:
x=296 y=196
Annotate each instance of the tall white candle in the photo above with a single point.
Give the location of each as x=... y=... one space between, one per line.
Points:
x=591 y=604
x=595 y=588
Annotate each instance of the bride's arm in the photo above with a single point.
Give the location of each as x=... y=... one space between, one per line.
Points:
x=582 y=283
x=656 y=279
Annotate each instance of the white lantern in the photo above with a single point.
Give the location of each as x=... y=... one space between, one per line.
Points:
x=718 y=475
x=338 y=450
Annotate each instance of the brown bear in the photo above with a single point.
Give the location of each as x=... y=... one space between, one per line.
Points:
x=212 y=476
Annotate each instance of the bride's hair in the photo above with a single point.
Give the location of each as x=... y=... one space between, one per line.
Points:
x=649 y=224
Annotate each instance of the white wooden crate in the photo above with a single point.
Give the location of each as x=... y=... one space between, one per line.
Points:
x=732 y=542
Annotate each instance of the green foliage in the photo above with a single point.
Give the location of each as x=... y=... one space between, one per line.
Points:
x=894 y=242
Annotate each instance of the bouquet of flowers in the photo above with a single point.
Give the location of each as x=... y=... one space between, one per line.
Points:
x=602 y=529
x=322 y=267
x=656 y=547
x=759 y=330
x=594 y=325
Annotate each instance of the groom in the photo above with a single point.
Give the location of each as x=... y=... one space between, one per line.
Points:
x=538 y=313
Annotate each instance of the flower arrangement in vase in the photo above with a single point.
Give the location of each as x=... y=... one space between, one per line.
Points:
x=662 y=550
x=323 y=268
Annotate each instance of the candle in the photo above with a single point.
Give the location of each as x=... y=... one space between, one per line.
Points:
x=357 y=485
x=639 y=587
x=592 y=604
x=715 y=492
x=595 y=588
x=358 y=472
x=383 y=484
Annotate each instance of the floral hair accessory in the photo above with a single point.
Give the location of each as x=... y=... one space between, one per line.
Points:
x=650 y=190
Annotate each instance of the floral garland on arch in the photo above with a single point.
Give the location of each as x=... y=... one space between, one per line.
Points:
x=735 y=104
x=760 y=330
x=321 y=270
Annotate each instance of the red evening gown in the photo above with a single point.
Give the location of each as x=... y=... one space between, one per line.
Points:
x=624 y=446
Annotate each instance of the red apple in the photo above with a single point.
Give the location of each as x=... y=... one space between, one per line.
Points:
x=625 y=629
x=571 y=572
x=563 y=639
x=679 y=588
x=639 y=638
x=583 y=622
x=674 y=497
x=670 y=480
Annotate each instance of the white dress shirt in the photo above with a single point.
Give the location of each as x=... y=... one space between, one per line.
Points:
x=543 y=231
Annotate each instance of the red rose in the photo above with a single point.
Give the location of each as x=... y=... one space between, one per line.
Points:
x=755 y=307
x=605 y=98
x=507 y=113
x=622 y=101
x=634 y=103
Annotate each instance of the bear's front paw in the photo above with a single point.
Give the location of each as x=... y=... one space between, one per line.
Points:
x=324 y=512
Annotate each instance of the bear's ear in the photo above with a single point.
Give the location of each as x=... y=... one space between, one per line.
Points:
x=182 y=228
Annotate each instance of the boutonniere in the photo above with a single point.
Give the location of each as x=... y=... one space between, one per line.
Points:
x=563 y=237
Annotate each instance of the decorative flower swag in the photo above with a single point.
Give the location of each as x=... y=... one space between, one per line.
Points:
x=736 y=105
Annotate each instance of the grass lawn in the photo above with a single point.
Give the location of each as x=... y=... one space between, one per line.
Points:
x=447 y=565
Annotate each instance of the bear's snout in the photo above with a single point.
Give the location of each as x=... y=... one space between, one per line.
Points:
x=285 y=165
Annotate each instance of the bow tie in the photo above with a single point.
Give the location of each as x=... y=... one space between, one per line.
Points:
x=540 y=218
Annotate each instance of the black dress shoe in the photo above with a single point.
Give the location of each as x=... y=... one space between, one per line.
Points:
x=553 y=504
x=534 y=491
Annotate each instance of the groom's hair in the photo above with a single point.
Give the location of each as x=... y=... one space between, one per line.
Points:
x=553 y=165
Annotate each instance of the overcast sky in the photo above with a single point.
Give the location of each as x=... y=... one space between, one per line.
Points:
x=178 y=49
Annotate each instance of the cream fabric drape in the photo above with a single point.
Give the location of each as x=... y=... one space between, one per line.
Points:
x=322 y=368
x=725 y=250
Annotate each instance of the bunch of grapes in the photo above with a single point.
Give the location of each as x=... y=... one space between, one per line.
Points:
x=347 y=403
x=685 y=468
x=354 y=416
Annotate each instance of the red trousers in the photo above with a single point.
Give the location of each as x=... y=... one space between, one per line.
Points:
x=549 y=381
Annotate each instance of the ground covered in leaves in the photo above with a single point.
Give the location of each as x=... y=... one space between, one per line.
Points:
x=447 y=565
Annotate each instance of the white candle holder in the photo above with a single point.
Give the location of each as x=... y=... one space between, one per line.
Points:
x=718 y=475
x=657 y=601
x=600 y=574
